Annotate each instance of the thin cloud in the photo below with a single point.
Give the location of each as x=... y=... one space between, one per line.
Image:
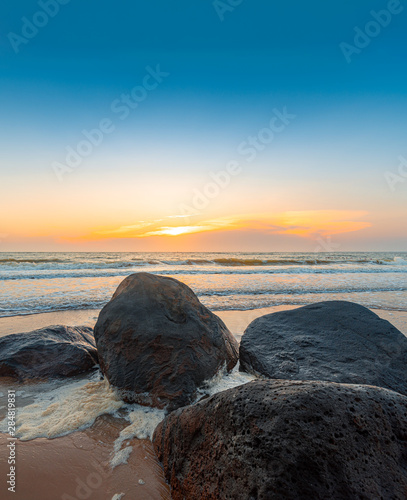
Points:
x=307 y=224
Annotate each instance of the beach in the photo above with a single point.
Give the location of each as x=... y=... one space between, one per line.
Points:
x=79 y=464
x=76 y=439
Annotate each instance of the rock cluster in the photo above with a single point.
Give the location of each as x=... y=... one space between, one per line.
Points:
x=328 y=419
x=305 y=433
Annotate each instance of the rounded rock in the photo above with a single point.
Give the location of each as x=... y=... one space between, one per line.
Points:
x=158 y=344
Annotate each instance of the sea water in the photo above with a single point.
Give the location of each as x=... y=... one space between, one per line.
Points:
x=44 y=282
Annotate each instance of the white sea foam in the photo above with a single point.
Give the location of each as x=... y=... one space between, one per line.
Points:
x=118 y=496
x=60 y=410
x=57 y=411
x=66 y=409
x=121 y=457
x=143 y=421
x=224 y=380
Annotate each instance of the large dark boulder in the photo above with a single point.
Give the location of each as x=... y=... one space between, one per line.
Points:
x=157 y=343
x=334 y=341
x=54 y=351
x=280 y=439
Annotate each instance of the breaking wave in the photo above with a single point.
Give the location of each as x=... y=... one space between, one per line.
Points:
x=44 y=282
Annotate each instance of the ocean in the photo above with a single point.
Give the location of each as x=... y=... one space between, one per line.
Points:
x=46 y=282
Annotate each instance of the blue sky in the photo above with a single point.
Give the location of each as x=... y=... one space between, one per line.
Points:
x=225 y=78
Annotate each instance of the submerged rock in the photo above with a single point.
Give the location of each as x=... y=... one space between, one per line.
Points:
x=334 y=341
x=280 y=439
x=54 y=351
x=157 y=343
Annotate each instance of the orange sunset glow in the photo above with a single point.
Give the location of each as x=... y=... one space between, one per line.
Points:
x=307 y=225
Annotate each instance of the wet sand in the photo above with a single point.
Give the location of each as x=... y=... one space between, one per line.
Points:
x=19 y=324
x=236 y=321
x=77 y=466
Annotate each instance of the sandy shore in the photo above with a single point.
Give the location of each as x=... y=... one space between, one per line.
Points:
x=77 y=466
x=236 y=321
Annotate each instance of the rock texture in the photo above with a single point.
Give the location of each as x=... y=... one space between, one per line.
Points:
x=55 y=351
x=280 y=439
x=334 y=341
x=157 y=343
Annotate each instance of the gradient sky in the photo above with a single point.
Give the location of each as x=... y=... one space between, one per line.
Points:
x=329 y=178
